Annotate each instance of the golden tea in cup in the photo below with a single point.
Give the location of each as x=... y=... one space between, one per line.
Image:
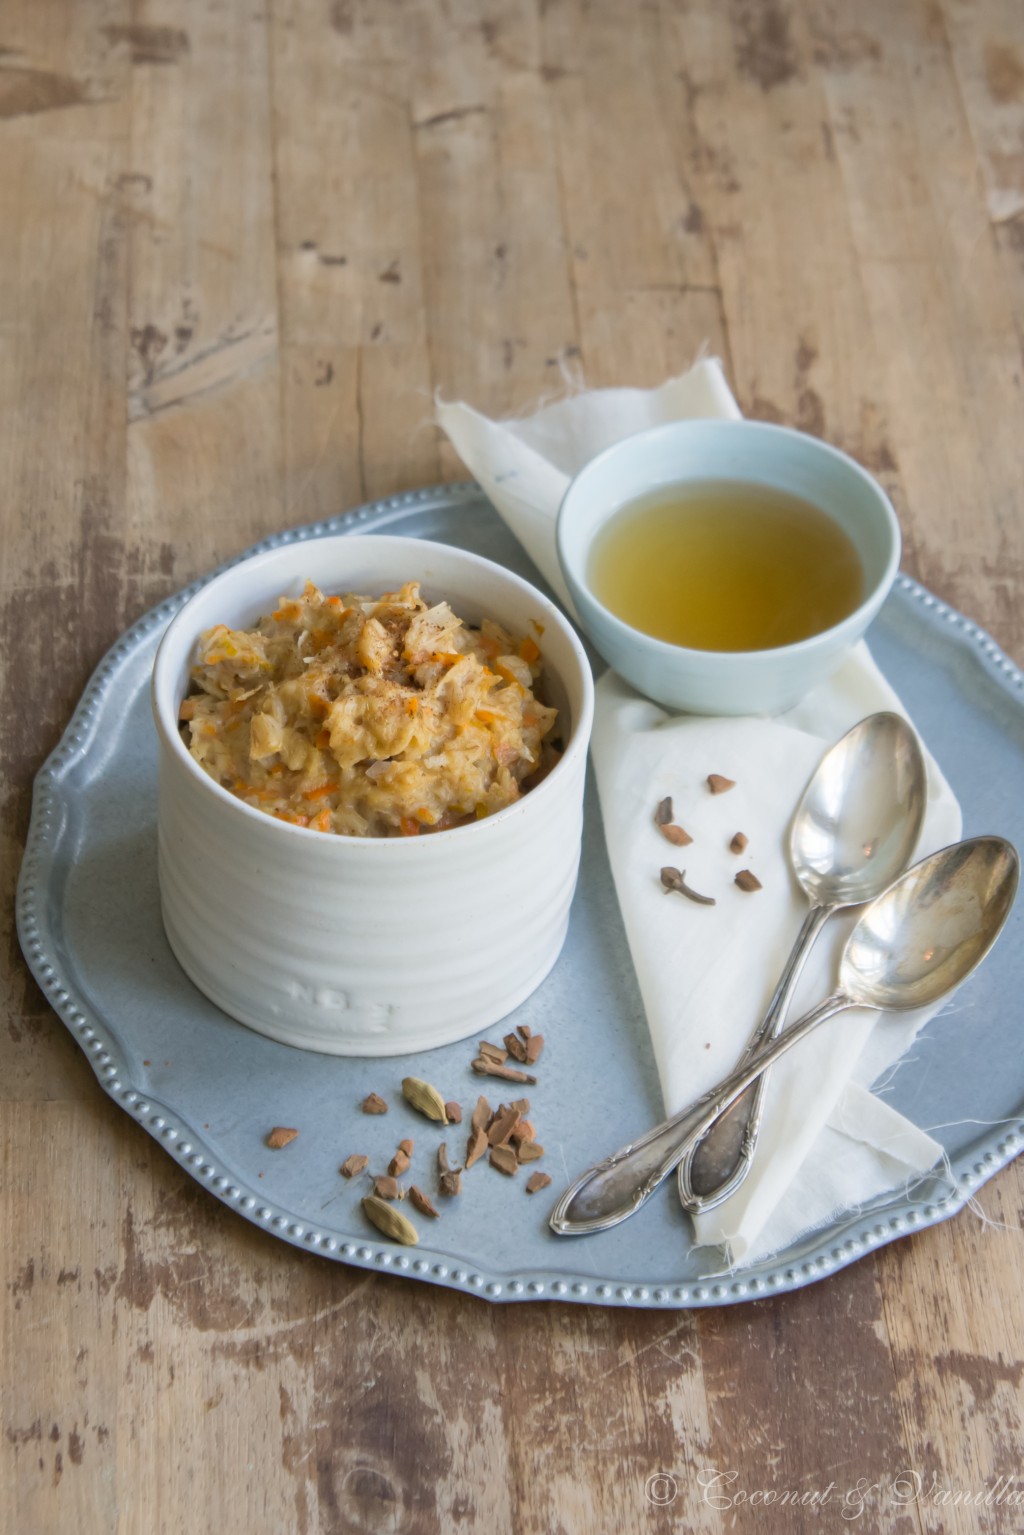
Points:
x=725 y=565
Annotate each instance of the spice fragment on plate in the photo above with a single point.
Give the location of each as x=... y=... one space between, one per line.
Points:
x=719 y=785
x=281 y=1136
x=536 y=1181
x=477 y=1146
x=354 y=1164
x=663 y=814
x=387 y=1187
x=505 y=1124
x=739 y=843
x=486 y=1068
x=505 y=1160
x=748 y=881
x=425 y=1098
x=449 y=1179
x=389 y=1220
x=481 y=1116
x=422 y=1203
x=454 y=1112
x=374 y=1104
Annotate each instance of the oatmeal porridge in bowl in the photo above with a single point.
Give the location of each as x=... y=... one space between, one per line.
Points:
x=372 y=753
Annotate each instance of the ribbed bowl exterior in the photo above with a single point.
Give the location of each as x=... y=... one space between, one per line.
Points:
x=369 y=946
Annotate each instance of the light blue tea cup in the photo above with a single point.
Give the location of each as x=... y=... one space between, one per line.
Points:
x=682 y=452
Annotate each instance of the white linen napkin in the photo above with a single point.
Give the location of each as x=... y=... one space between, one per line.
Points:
x=706 y=973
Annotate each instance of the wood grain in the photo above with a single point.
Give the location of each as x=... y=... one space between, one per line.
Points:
x=243 y=245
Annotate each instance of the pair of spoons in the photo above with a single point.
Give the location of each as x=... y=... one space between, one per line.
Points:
x=853 y=832
x=920 y=938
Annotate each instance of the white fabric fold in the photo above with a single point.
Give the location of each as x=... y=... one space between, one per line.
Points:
x=706 y=973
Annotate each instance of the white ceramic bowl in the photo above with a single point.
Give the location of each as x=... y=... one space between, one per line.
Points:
x=726 y=682
x=368 y=946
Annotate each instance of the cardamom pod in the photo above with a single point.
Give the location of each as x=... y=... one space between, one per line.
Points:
x=425 y=1098
x=390 y=1221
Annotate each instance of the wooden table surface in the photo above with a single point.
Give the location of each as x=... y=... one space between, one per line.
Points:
x=242 y=242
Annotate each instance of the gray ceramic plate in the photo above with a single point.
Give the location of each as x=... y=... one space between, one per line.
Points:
x=209 y=1090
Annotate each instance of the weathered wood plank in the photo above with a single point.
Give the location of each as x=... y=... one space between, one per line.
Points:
x=62 y=1383
x=65 y=586
x=959 y=1362
x=937 y=296
x=203 y=388
x=355 y=372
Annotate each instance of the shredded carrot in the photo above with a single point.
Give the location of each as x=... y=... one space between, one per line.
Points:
x=209 y=728
x=409 y=827
x=289 y=815
x=426 y=816
x=289 y=612
x=323 y=737
x=318 y=792
x=529 y=650
x=336 y=603
x=448 y=657
x=486 y=716
x=252 y=792
x=412 y=705
x=322 y=822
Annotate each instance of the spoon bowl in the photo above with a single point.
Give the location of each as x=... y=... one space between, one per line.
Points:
x=931 y=928
x=857 y=824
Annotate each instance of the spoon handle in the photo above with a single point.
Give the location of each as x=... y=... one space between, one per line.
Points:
x=616 y=1188
x=721 y=1159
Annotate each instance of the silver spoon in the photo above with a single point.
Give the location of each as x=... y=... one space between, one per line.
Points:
x=911 y=947
x=854 y=831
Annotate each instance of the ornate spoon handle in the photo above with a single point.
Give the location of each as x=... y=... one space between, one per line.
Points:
x=721 y=1159
x=616 y=1188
